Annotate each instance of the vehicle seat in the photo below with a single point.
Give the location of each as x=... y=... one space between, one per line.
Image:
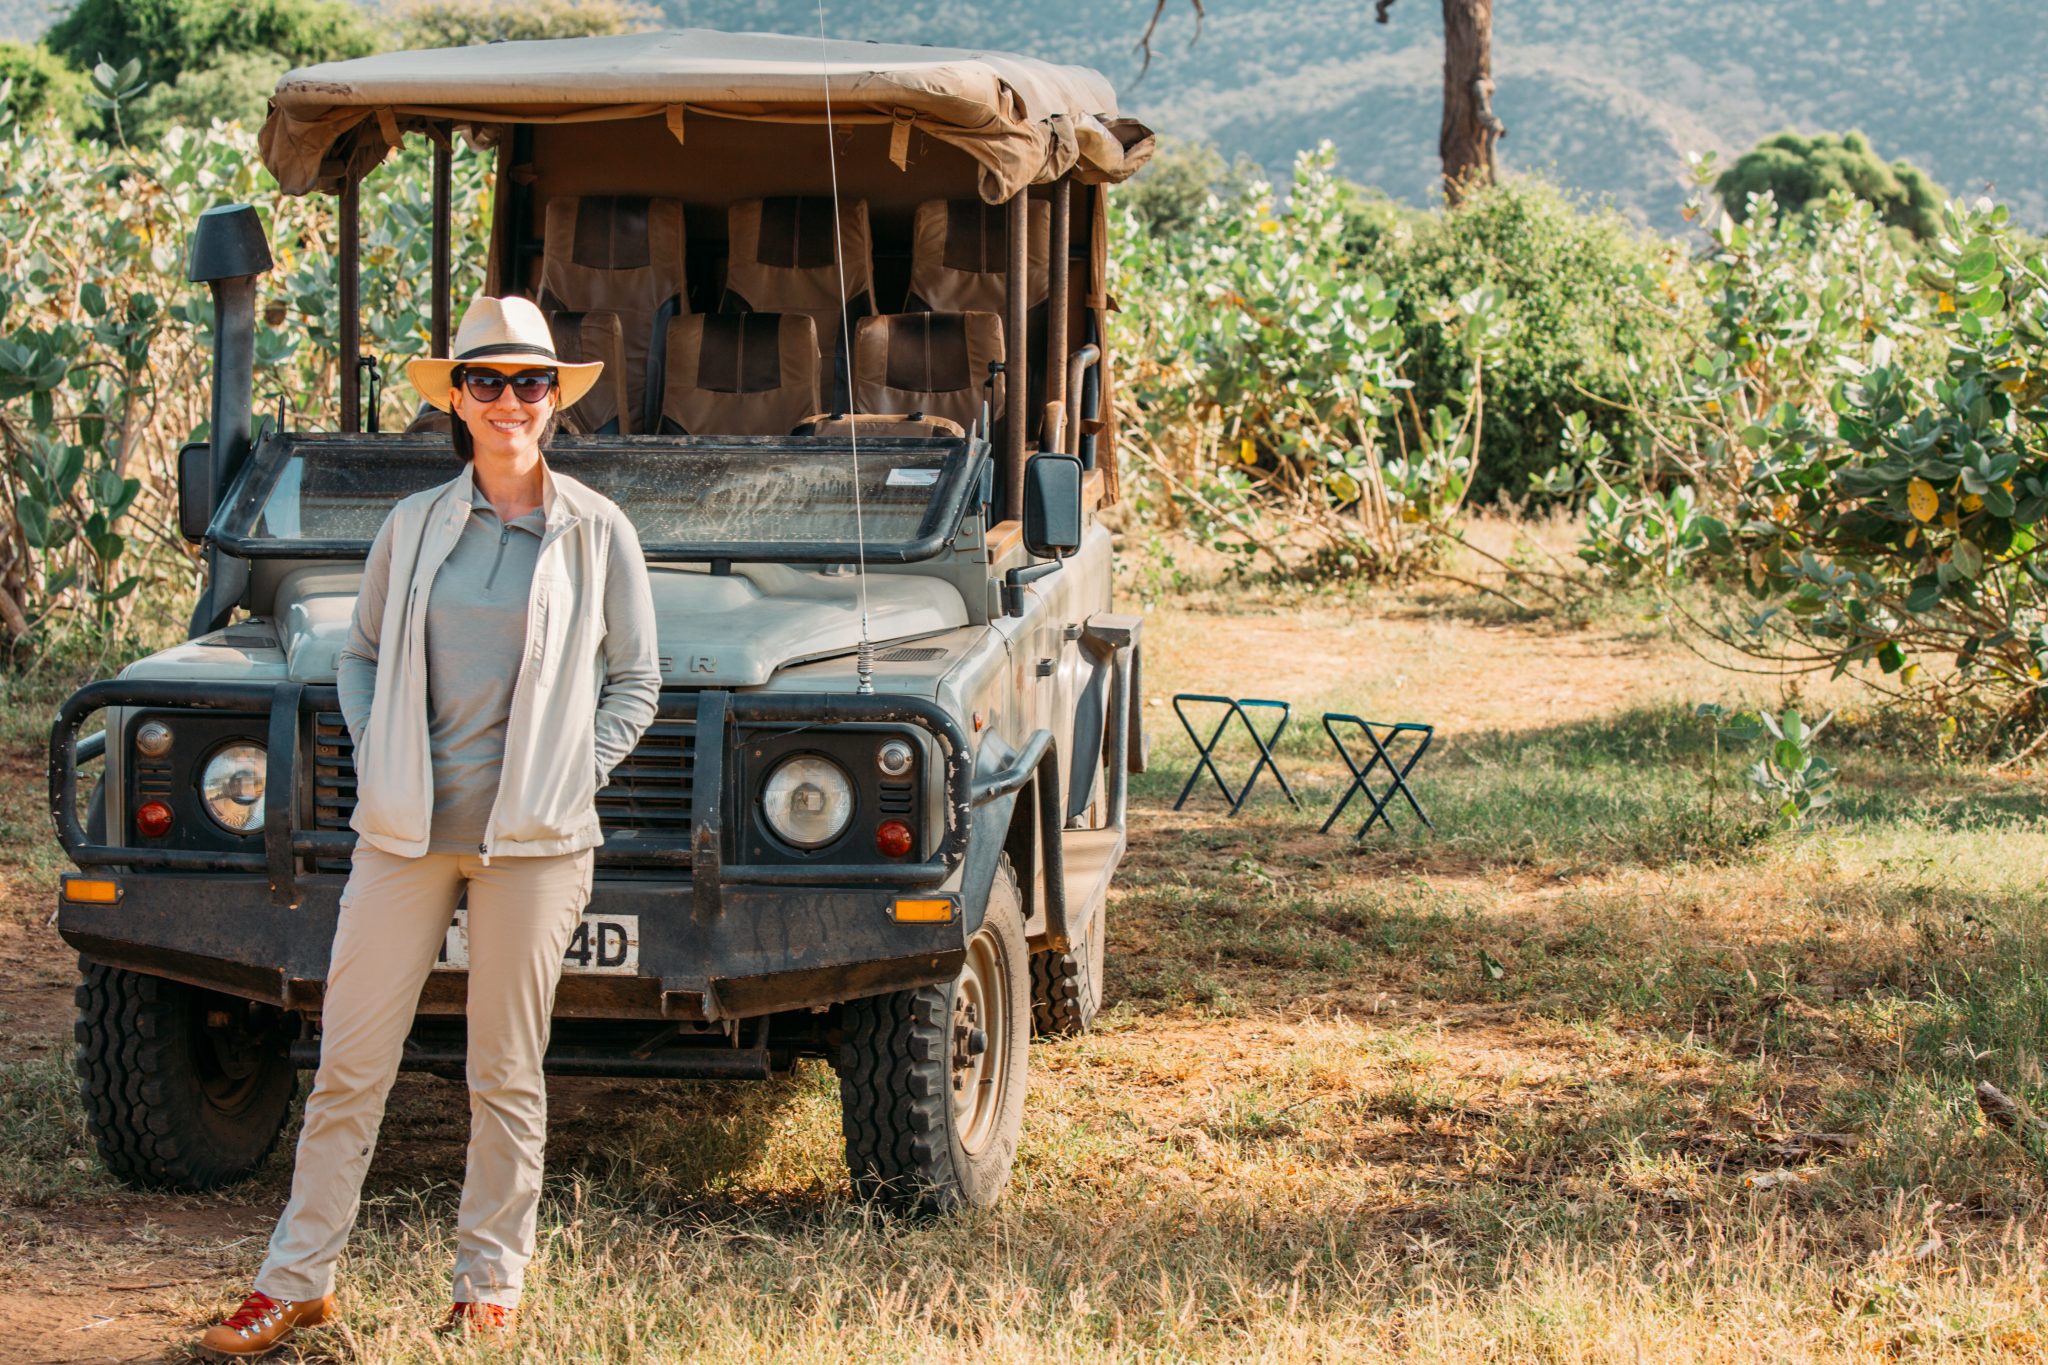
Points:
x=781 y=259
x=930 y=363
x=743 y=374
x=622 y=255
x=960 y=257
x=579 y=339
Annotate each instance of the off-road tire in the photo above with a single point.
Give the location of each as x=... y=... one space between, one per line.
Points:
x=166 y=1107
x=907 y=1143
x=1066 y=988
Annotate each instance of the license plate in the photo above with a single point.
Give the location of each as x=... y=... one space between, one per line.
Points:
x=602 y=944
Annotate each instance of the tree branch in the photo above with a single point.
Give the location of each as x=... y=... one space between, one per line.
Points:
x=1152 y=24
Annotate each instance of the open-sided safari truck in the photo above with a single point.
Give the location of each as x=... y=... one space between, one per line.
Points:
x=850 y=300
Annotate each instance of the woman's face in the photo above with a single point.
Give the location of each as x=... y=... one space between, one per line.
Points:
x=506 y=427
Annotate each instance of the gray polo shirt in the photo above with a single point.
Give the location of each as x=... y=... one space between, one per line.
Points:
x=476 y=628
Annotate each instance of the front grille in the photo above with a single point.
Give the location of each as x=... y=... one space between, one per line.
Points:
x=649 y=793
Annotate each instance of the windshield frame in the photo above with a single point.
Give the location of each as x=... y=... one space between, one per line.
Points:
x=962 y=483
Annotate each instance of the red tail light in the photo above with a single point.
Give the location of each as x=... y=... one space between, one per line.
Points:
x=892 y=838
x=153 y=818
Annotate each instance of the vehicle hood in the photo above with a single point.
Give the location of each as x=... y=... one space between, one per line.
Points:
x=717 y=630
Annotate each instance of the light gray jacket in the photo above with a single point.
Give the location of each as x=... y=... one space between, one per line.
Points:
x=584 y=695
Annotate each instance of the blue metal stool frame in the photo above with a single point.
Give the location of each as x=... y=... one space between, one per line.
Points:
x=1399 y=786
x=1204 y=752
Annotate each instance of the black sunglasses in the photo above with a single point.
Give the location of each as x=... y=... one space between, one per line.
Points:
x=528 y=386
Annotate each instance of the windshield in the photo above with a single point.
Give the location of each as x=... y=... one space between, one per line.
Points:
x=788 y=500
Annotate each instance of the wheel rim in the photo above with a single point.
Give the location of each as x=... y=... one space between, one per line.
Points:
x=982 y=1009
x=229 y=1061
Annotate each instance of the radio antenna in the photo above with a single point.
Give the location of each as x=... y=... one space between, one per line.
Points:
x=864 y=653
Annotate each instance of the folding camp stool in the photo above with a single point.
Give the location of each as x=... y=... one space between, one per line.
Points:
x=1372 y=731
x=1205 y=752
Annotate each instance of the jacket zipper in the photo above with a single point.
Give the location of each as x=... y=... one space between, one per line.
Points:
x=549 y=536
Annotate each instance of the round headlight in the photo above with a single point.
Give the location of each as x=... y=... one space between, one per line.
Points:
x=232 y=787
x=894 y=758
x=807 y=801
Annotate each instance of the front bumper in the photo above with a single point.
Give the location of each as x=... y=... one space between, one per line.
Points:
x=768 y=948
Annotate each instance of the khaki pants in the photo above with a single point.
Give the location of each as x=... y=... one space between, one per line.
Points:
x=394 y=915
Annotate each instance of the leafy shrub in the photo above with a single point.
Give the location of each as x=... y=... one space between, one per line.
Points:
x=39 y=83
x=461 y=23
x=1264 y=367
x=1170 y=195
x=1859 y=440
x=1584 y=301
x=236 y=88
x=104 y=348
x=172 y=37
x=1801 y=172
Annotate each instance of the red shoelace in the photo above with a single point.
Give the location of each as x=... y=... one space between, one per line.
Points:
x=254 y=1309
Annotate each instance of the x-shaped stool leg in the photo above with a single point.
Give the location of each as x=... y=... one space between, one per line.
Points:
x=1379 y=756
x=1205 y=750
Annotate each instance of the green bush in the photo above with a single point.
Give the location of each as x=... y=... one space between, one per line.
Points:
x=173 y=37
x=236 y=88
x=1800 y=172
x=463 y=23
x=1857 y=441
x=1170 y=195
x=1586 y=303
x=39 y=83
x=104 y=367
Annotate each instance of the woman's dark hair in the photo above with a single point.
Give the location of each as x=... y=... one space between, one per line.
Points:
x=458 y=430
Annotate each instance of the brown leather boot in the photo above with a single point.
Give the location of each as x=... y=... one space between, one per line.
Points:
x=485 y=1318
x=261 y=1325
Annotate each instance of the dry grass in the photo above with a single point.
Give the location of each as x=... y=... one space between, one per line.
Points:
x=1600 y=1072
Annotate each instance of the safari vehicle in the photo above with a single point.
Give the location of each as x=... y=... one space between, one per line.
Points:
x=851 y=303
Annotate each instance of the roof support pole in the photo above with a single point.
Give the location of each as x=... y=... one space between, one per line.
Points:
x=351 y=306
x=1056 y=302
x=1016 y=359
x=444 y=230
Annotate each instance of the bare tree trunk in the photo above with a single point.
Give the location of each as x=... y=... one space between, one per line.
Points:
x=1470 y=129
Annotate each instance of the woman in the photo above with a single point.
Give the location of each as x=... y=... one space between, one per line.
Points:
x=501 y=661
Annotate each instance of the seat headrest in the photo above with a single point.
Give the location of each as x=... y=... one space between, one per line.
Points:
x=784 y=255
x=935 y=363
x=740 y=374
x=579 y=339
x=960 y=256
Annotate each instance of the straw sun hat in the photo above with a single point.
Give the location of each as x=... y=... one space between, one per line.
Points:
x=495 y=332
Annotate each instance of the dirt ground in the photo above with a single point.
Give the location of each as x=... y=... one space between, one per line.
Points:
x=88 y=1276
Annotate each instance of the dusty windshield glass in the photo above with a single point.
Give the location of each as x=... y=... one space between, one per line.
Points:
x=686 y=502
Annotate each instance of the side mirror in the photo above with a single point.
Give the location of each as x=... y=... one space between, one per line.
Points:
x=1052 y=505
x=195 y=490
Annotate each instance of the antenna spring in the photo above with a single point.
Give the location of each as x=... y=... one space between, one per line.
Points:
x=864 y=664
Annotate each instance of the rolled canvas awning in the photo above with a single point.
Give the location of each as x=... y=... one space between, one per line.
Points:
x=1025 y=121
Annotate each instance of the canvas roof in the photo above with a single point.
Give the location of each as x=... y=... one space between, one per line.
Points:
x=1025 y=121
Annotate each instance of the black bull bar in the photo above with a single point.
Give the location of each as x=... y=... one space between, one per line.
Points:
x=715 y=713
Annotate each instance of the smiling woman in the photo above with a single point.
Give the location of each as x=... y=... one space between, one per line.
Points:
x=507 y=574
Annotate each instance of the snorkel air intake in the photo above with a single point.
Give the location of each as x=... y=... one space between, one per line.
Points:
x=228 y=253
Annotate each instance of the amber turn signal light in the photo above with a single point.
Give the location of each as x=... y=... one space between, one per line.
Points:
x=91 y=890
x=153 y=818
x=892 y=838
x=923 y=912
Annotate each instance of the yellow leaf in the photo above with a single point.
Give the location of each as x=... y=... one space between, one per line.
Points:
x=1946 y=303
x=1246 y=453
x=1783 y=506
x=1949 y=518
x=1912 y=536
x=1971 y=502
x=1908 y=673
x=1269 y=226
x=1922 y=500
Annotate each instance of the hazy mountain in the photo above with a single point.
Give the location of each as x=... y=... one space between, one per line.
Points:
x=1605 y=96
